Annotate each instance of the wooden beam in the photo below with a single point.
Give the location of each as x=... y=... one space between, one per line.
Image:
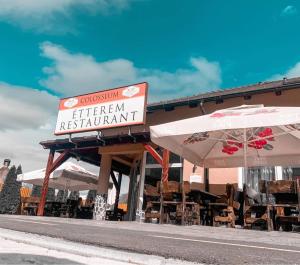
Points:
x=116 y=206
x=154 y=153
x=51 y=166
x=60 y=160
x=121 y=149
x=46 y=183
x=206 y=179
x=113 y=177
x=105 y=172
x=124 y=161
x=165 y=165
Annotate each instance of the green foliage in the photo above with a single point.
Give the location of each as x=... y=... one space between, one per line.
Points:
x=74 y=195
x=61 y=196
x=50 y=194
x=10 y=195
x=37 y=192
x=91 y=194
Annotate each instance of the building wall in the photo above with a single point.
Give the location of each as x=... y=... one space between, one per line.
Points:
x=216 y=176
x=287 y=98
x=226 y=175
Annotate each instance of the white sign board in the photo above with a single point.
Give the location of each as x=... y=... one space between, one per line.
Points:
x=122 y=106
x=196 y=178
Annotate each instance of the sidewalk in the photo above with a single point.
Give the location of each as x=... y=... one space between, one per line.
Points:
x=24 y=248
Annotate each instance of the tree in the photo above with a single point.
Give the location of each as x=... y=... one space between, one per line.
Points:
x=10 y=195
x=37 y=192
x=60 y=197
x=50 y=195
x=74 y=195
x=91 y=195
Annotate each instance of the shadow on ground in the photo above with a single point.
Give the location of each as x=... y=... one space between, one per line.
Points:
x=15 y=258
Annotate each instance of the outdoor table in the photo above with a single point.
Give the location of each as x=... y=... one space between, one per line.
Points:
x=85 y=212
x=207 y=195
x=174 y=202
x=171 y=204
x=29 y=205
x=52 y=208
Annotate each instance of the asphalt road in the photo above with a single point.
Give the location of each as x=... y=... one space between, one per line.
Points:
x=207 y=245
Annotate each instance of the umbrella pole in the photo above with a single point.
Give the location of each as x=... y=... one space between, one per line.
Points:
x=245 y=158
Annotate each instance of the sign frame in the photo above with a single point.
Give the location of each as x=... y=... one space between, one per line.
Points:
x=101 y=128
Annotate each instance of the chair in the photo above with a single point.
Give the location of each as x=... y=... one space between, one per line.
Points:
x=255 y=213
x=226 y=208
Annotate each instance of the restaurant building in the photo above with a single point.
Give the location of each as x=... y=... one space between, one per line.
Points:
x=125 y=150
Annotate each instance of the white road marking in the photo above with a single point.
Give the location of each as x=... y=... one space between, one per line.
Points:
x=228 y=244
x=35 y=222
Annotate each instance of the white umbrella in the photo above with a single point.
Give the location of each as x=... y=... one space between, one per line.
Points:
x=248 y=135
x=67 y=176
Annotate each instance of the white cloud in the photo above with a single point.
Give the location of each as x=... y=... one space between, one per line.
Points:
x=294 y=71
x=22 y=147
x=72 y=74
x=27 y=117
x=44 y=15
x=289 y=11
x=24 y=108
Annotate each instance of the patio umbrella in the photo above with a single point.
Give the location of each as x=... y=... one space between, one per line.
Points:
x=248 y=135
x=68 y=176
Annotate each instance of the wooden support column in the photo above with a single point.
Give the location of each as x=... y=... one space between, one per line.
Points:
x=133 y=189
x=298 y=193
x=164 y=179
x=102 y=188
x=154 y=153
x=165 y=165
x=51 y=166
x=140 y=214
x=269 y=221
x=206 y=179
x=117 y=195
x=45 y=184
x=114 y=179
x=164 y=162
x=105 y=169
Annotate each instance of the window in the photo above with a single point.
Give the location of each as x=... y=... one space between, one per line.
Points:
x=290 y=173
x=255 y=174
x=153 y=170
x=173 y=158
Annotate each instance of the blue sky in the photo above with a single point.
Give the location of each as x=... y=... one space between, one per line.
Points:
x=69 y=47
x=251 y=41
